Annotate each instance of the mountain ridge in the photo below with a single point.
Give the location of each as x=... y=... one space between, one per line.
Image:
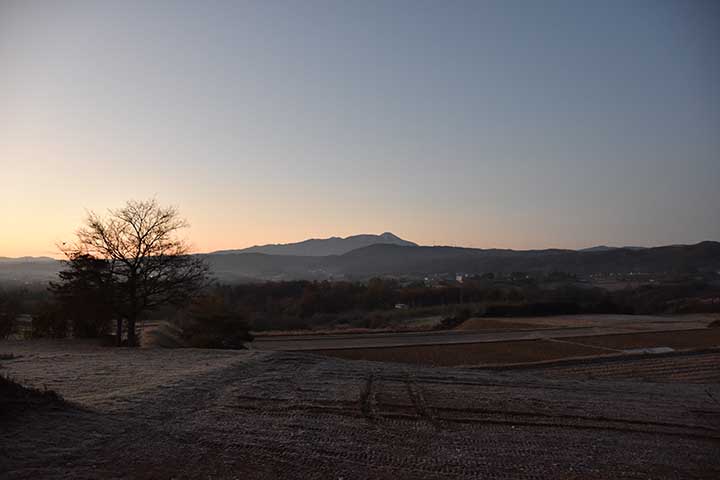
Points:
x=395 y=260
x=604 y=248
x=321 y=247
x=26 y=259
x=419 y=261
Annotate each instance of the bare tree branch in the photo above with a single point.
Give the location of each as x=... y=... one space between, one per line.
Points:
x=149 y=264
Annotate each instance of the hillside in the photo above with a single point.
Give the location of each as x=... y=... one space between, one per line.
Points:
x=26 y=259
x=386 y=259
x=21 y=270
x=318 y=247
x=397 y=260
x=389 y=259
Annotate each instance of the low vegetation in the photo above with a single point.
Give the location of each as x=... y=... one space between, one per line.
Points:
x=211 y=323
x=222 y=315
x=16 y=398
x=387 y=303
x=9 y=309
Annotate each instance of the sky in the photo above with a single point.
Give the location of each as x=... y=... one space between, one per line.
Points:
x=513 y=124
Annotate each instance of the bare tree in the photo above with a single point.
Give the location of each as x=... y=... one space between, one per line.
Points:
x=149 y=264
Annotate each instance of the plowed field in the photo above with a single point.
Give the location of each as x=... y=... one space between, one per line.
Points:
x=154 y=413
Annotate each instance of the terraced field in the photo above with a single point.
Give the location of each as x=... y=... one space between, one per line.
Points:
x=467 y=354
x=699 y=338
x=655 y=322
x=524 y=351
x=154 y=413
x=691 y=367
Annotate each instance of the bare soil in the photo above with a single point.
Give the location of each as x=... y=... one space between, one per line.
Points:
x=420 y=324
x=683 y=367
x=469 y=353
x=526 y=351
x=155 y=413
x=496 y=324
x=707 y=337
x=588 y=320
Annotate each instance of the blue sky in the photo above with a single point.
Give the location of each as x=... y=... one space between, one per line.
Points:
x=516 y=124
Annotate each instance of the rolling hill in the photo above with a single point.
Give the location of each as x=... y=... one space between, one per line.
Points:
x=320 y=247
x=388 y=259
x=383 y=259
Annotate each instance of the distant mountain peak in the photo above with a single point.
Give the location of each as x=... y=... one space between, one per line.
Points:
x=390 y=236
x=321 y=247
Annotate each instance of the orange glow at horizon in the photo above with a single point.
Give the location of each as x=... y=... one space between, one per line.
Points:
x=568 y=130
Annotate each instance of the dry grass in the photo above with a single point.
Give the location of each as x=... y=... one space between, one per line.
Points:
x=16 y=399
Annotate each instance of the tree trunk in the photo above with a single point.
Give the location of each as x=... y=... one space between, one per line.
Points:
x=119 y=332
x=133 y=313
x=132 y=340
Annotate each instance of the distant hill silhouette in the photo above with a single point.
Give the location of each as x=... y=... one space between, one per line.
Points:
x=26 y=259
x=388 y=259
x=28 y=269
x=319 y=247
x=603 y=248
x=383 y=259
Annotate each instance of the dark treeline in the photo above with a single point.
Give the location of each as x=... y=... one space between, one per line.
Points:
x=376 y=303
x=304 y=304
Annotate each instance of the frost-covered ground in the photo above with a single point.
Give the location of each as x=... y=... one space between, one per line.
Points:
x=155 y=413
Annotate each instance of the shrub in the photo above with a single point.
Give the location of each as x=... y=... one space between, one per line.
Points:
x=7 y=324
x=9 y=309
x=211 y=323
x=15 y=398
x=91 y=324
x=536 y=309
x=448 y=323
x=50 y=322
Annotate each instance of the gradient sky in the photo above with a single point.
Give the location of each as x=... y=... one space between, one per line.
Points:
x=520 y=124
